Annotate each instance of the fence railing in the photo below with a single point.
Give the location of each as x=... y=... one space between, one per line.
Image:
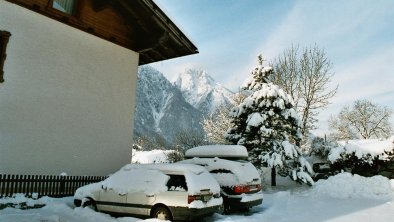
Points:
x=43 y=185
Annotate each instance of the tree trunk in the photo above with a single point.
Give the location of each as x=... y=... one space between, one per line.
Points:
x=273 y=176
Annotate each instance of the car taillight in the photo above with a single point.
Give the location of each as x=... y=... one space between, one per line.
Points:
x=204 y=198
x=192 y=198
x=241 y=189
x=246 y=188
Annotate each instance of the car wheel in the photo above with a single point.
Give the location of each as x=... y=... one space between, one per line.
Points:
x=223 y=209
x=87 y=202
x=77 y=202
x=161 y=213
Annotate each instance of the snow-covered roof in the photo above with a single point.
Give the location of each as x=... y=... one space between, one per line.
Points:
x=223 y=151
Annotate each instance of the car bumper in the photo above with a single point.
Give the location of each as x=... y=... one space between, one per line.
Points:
x=247 y=201
x=185 y=213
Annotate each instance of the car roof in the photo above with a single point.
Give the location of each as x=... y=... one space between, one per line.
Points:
x=173 y=168
x=222 y=151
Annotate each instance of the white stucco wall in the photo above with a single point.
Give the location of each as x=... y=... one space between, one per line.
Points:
x=67 y=103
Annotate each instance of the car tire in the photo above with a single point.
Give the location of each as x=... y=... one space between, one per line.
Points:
x=77 y=202
x=161 y=213
x=223 y=209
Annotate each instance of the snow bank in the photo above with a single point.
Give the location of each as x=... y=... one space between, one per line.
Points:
x=60 y=210
x=361 y=148
x=153 y=156
x=346 y=185
x=21 y=198
x=218 y=151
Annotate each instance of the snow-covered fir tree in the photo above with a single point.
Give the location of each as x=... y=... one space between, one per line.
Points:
x=267 y=124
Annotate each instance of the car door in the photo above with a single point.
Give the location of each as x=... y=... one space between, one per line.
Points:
x=139 y=203
x=111 y=201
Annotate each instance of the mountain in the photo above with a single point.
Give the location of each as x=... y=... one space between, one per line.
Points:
x=161 y=110
x=202 y=91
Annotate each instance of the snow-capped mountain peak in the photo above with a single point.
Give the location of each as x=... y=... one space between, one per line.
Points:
x=202 y=91
x=161 y=110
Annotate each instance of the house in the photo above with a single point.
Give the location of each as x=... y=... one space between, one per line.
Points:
x=68 y=72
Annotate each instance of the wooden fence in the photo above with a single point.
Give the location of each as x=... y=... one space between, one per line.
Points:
x=43 y=185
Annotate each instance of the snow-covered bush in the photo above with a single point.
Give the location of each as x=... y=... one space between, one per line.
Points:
x=268 y=125
x=364 y=157
x=321 y=147
x=175 y=156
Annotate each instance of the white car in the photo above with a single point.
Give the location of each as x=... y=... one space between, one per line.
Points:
x=163 y=191
x=239 y=180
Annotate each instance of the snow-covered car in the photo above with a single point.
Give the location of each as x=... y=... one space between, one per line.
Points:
x=163 y=191
x=239 y=180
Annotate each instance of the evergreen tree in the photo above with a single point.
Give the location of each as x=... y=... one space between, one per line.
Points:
x=267 y=124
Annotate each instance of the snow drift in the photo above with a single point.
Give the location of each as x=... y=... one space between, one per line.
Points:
x=346 y=185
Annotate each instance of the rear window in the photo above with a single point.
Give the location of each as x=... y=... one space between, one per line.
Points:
x=177 y=183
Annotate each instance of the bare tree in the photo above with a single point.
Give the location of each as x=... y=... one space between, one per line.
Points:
x=305 y=76
x=146 y=143
x=364 y=120
x=188 y=139
x=216 y=124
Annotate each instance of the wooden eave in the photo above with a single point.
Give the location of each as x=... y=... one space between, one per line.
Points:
x=147 y=29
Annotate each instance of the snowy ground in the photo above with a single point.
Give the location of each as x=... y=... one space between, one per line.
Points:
x=340 y=198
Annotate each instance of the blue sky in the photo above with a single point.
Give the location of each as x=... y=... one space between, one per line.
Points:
x=357 y=35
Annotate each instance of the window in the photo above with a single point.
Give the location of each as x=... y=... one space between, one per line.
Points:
x=177 y=183
x=66 y=6
x=4 y=37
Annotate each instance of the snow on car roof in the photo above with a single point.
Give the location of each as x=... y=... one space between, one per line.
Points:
x=197 y=177
x=152 y=179
x=244 y=171
x=124 y=181
x=223 y=151
x=127 y=180
x=174 y=167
